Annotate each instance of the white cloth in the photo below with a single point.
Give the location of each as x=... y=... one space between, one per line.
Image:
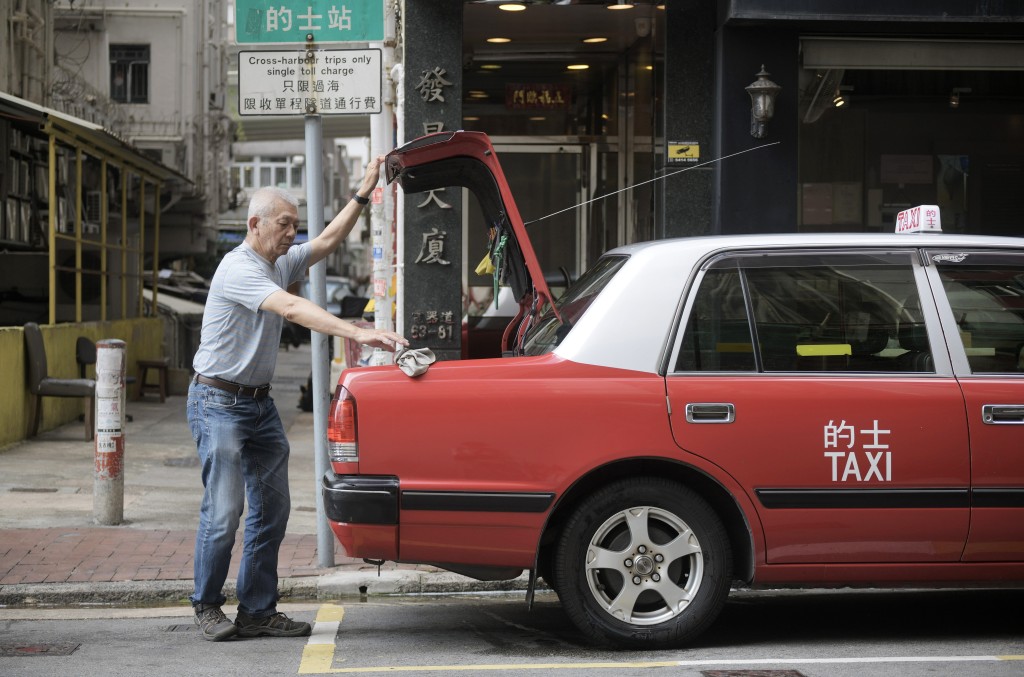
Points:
x=414 y=361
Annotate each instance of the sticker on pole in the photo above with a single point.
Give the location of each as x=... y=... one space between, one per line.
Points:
x=920 y=219
x=313 y=82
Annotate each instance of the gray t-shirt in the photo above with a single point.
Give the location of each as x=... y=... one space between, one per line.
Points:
x=239 y=342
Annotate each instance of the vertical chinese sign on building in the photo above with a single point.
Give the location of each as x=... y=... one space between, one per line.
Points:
x=433 y=220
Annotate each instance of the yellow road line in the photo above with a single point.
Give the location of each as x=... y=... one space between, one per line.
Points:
x=318 y=654
x=318 y=657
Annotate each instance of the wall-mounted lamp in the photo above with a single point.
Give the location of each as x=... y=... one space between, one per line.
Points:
x=839 y=100
x=762 y=103
x=954 y=97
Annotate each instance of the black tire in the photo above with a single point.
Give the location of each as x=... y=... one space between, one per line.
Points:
x=629 y=526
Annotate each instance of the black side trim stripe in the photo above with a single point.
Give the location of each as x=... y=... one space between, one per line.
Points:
x=468 y=501
x=864 y=498
x=998 y=498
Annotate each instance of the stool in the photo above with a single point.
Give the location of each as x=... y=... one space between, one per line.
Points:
x=160 y=366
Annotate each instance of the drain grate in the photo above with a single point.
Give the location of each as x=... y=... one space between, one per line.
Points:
x=34 y=490
x=12 y=650
x=181 y=627
x=752 y=673
x=183 y=462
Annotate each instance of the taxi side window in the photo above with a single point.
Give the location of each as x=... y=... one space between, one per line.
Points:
x=813 y=312
x=717 y=336
x=986 y=294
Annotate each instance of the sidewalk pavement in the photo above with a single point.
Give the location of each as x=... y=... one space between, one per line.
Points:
x=52 y=552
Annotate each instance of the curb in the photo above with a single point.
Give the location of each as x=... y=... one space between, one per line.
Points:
x=341 y=585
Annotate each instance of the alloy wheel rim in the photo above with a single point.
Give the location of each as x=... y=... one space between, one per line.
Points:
x=644 y=565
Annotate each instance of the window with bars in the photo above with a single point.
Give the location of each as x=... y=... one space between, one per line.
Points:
x=129 y=73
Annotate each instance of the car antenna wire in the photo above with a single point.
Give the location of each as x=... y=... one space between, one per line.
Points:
x=656 y=178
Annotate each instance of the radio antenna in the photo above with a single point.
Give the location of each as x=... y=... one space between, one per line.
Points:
x=657 y=178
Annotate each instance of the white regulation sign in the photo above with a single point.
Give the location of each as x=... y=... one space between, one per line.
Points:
x=324 y=82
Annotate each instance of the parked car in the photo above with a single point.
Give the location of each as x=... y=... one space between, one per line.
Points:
x=702 y=413
x=340 y=300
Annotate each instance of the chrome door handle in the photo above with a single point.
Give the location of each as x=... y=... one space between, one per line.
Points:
x=710 y=412
x=1003 y=414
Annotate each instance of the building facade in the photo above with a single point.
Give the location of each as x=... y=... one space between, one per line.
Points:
x=630 y=121
x=115 y=147
x=139 y=168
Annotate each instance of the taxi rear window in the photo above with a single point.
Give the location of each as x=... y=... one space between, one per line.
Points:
x=550 y=331
x=807 y=312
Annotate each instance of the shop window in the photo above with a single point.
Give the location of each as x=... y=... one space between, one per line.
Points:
x=904 y=137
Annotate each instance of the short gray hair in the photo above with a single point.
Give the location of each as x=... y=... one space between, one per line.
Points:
x=261 y=203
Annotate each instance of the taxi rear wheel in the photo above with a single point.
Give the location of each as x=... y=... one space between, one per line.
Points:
x=643 y=563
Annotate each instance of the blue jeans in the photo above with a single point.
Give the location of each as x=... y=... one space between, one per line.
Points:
x=244 y=453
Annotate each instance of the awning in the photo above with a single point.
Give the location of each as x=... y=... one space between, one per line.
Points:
x=90 y=136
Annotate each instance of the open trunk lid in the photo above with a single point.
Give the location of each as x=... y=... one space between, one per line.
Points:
x=467 y=159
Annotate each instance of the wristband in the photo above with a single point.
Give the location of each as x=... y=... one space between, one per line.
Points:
x=360 y=199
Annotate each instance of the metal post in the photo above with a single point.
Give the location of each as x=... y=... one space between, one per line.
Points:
x=397 y=77
x=108 y=474
x=318 y=341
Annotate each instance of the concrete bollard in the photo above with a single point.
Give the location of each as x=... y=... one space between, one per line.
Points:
x=108 y=474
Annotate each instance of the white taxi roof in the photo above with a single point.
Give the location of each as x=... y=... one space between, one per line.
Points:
x=628 y=325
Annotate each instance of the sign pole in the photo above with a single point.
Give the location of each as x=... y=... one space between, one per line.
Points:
x=318 y=342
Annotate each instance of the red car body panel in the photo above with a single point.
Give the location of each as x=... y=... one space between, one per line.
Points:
x=925 y=447
x=370 y=541
x=997 y=461
x=548 y=392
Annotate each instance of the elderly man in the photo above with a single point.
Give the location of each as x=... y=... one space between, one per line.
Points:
x=235 y=425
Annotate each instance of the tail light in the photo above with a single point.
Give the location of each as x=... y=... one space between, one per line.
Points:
x=341 y=429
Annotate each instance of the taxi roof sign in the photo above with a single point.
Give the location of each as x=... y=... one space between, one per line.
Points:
x=919 y=219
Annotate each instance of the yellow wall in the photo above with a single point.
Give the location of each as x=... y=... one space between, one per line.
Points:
x=144 y=337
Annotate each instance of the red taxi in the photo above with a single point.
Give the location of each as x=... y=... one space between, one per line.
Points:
x=702 y=413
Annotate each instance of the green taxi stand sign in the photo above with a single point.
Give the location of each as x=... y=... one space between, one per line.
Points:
x=301 y=22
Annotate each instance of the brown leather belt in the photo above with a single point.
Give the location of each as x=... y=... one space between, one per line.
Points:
x=257 y=392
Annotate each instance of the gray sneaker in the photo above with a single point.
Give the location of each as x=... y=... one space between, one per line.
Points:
x=213 y=624
x=275 y=625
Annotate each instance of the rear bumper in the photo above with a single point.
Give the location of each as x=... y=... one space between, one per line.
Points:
x=361 y=499
x=363 y=514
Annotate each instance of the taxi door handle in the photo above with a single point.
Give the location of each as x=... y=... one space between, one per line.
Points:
x=710 y=412
x=1002 y=414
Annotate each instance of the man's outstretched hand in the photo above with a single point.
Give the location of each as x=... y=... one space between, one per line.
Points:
x=388 y=340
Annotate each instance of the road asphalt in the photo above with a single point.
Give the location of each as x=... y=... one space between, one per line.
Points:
x=52 y=551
